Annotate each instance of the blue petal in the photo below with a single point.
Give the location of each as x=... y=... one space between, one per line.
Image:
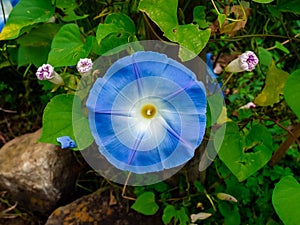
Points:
x=1 y=25
x=172 y=137
x=7 y=9
x=66 y=142
x=14 y=2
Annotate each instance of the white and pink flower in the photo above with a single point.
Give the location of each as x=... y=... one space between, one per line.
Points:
x=46 y=72
x=245 y=62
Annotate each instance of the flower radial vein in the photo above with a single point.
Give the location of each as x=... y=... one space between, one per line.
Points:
x=147 y=113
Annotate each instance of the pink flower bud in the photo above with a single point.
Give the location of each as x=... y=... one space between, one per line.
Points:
x=248 y=60
x=46 y=72
x=84 y=66
x=249 y=105
x=245 y=62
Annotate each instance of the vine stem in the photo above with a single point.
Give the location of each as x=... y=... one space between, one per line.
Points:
x=283 y=43
x=291 y=133
x=226 y=81
x=254 y=36
x=216 y=8
x=282 y=149
x=210 y=200
x=230 y=19
x=124 y=189
x=7 y=110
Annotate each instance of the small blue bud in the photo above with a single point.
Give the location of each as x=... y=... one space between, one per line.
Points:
x=66 y=142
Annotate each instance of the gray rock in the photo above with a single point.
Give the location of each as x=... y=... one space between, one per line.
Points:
x=36 y=175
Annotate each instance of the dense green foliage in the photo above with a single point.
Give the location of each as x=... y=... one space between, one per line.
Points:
x=258 y=161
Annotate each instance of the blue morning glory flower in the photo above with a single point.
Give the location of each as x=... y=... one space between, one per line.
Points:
x=66 y=142
x=147 y=113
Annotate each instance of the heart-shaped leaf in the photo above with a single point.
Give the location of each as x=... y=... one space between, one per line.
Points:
x=286 y=200
x=146 y=204
x=63 y=116
x=244 y=155
x=291 y=92
x=221 y=19
x=117 y=30
x=115 y=23
x=164 y=14
x=67 y=47
x=265 y=56
x=275 y=81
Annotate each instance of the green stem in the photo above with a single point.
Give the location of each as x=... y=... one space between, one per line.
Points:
x=226 y=81
x=254 y=36
x=210 y=200
x=27 y=69
x=290 y=38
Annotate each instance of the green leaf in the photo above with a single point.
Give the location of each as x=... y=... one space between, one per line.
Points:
x=146 y=204
x=170 y=212
x=243 y=155
x=117 y=30
x=122 y=21
x=230 y=212
x=280 y=46
x=110 y=44
x=274 y=12
x=160 y=187
x=291 y=92
x=214 y=108
x=115 y=23
x=35 y=55
x=164 y=14
x=265 y=57
x=286 y=200
x=70 y=15
x=63 y=116
x=105 y=30
x=200 y=16
x=196 y=41
x=221 y=19
x=275 y=81
x=66 y=4
x=183 y=217
x=292 y=6
x=199 y=186
x=263 y=1
x=35 y=46
x=40 y=36
x=26 y=13
x=68 y=7
x=67 y=47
